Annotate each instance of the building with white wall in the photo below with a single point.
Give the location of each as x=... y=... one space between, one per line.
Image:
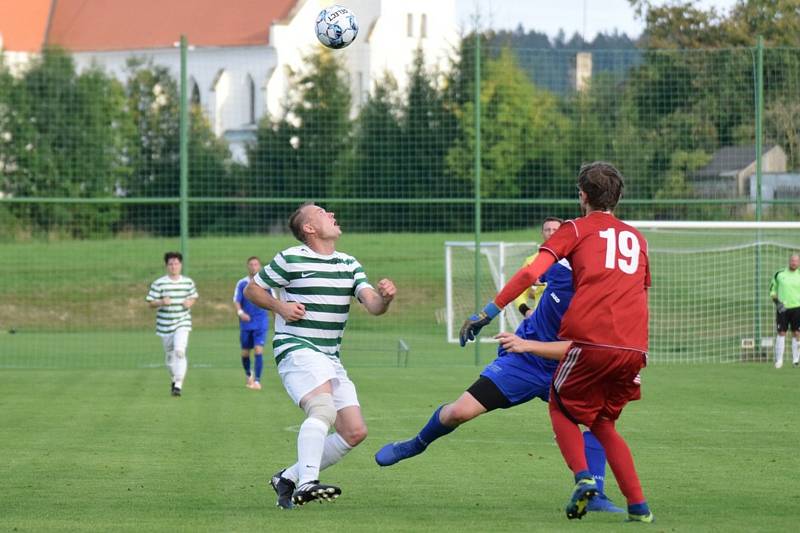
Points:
x=240 y=50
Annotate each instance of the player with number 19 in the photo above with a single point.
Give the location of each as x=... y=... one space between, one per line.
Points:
x=515 y=377
x=607 y=323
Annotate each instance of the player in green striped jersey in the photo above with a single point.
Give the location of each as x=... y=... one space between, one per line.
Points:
x=173 y=296
x=315 y=285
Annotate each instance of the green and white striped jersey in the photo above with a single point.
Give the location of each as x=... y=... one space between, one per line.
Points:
x=173 y=316
x=325 y=285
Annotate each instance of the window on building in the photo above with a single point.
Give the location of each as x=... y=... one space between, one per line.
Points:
x=251 y=100
x=410 y=25
x=194 y=95
x=219 y=102
x=423 y=26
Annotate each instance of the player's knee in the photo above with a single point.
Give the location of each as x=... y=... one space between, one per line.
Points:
x=179 y=354
x=355 y=435
x=455 y=414
x=321 y=407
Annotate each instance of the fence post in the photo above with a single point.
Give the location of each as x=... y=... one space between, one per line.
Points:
x=184 y=157
x=759 y=147
x=477 y=183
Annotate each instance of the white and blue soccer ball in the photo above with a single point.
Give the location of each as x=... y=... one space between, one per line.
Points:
x=336 y=26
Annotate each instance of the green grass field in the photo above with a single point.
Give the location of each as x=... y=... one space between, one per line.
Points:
x=90 y=440
x=87 y=297
x=110 y=450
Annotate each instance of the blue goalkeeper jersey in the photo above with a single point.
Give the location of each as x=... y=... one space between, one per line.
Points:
x=521 y=377
x=544 y=323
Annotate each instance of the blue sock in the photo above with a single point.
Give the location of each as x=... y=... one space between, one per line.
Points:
x=595 y=458
x=433 y=429
x=639 y=508
x=246 y=365
x=259 y=366
x=583 y=474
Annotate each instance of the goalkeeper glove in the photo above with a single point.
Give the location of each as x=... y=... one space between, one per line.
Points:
x=475 y=323
x=779 y=307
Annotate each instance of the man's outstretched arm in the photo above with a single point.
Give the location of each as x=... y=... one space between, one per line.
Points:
x=549 y=350
x=524 y=278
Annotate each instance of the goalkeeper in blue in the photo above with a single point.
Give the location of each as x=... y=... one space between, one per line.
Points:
x=512 y=379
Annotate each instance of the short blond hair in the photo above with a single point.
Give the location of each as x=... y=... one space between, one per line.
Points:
x=297 y=220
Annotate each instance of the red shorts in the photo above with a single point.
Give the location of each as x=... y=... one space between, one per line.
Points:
x=593 y=381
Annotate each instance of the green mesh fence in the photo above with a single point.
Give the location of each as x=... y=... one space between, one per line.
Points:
x=90 y=168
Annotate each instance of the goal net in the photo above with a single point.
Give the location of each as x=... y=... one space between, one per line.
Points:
x=710 y=296
x=498 y=262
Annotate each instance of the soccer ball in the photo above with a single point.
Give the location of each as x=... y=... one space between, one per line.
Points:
x=336 y=26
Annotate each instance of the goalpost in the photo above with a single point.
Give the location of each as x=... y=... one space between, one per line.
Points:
x=710 y=296
x=499 y=261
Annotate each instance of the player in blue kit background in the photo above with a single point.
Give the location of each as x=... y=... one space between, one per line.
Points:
x=253 y=325
x=512 y=379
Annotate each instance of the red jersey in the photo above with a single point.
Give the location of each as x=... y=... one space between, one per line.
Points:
x=611 y=274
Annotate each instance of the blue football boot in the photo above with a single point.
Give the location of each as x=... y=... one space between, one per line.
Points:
x=601 y=504
x=395 y=452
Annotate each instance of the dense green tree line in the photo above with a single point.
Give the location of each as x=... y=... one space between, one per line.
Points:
x=659 y=114
x=65 y=134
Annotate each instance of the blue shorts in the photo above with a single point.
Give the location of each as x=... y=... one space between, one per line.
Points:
x=250 y=338
x=521 y=377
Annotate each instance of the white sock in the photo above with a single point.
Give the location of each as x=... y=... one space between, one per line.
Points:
x=795 y=351
x=292 y=473
x=335 y=448
x=310 y=443
x=168 y=360
x=780 y=342
x=179 y=365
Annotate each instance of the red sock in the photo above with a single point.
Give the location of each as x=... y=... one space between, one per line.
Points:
x=620 y=459
x=569 y=439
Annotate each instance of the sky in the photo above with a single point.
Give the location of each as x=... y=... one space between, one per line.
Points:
x=548 y=16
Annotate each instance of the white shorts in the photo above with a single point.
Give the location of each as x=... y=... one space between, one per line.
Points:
x=305 y=370
x=178 y=340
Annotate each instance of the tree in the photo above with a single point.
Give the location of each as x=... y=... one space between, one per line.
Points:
x=320 y=106
x=684 y=25
x=154 y=107
x=65 y=135
x=307 y=150
x=429 y=130
x=782 y=121
x=680 y=25
x=377 y=159
x=299 y=154
x=777 y=21
x=522 y=131
x=698 y=95
x=9 y=223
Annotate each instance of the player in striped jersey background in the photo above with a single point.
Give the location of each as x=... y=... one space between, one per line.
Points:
x=173 y=296
x=315 y=285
